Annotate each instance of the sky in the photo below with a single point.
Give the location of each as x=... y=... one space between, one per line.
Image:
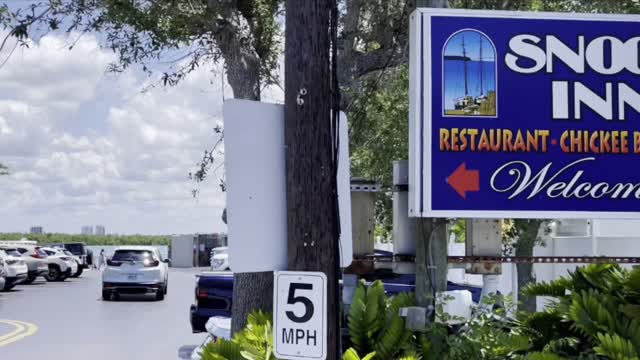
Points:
x=472 y=41
x=89 y=147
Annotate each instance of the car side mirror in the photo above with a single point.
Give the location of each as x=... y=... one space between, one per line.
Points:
x=167 y=261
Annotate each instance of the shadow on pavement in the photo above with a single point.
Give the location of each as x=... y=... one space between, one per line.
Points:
x=184 y=353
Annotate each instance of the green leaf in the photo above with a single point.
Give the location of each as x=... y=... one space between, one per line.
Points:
x=375 y=307
x=357 y=320
x=351 y=354
x=615 y=347
x=397 y=302
x=392 y=339
x=555 y=288
x=543 y=356
x=222 y=350
x=590 y=314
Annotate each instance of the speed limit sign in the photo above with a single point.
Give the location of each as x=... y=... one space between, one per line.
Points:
x=300 y=316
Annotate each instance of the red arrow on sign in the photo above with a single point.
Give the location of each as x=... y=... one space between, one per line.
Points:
x=463 y=180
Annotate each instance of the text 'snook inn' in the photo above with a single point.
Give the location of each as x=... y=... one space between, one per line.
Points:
x=531 y=115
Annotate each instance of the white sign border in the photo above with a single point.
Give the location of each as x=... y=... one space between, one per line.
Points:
x=420 y=103
x=319 y=274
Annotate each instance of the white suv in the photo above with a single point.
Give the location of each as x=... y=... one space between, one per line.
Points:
x=135 y=270
x=220 y=258
x=15 y=269
x=61 y=265
x=35 y=258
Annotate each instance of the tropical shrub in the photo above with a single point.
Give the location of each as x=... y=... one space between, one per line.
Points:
x=374 y=322
x=255 y=342
x=595 y=315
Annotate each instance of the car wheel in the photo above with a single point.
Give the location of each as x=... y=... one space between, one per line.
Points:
x=106 y=295
x=160 y=294
x=30 y=280
x=8 y=287
x=78 y=273
x=53 y=274
x=166 y=287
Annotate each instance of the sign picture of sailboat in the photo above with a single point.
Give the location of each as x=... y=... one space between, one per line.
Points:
x=469 y=75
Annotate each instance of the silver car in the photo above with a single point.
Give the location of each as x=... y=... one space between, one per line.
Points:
x=35 y=258
x=2 y=275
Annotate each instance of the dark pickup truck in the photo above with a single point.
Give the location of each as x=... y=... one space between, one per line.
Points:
x=213 y=294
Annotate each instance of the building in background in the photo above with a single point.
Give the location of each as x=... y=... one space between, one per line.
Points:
x=194 y=250
x=36 y=230
x=100 y=231
x=87 y=230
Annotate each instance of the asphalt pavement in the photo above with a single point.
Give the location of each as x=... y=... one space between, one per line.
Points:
x=68 y=320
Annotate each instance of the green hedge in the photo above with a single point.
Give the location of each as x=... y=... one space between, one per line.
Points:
x=92 y=239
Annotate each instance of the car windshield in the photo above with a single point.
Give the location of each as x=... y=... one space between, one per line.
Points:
x=40 y=252
x=132 y=255
x=12 y=252
x=76 y=249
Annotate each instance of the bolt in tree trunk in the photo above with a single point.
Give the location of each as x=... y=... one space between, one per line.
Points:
x=312 y=216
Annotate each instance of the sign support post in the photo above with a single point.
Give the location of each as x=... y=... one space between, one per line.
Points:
x=432 y=244
x=311 y=159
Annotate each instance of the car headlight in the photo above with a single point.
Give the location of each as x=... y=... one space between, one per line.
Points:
x=218 y=263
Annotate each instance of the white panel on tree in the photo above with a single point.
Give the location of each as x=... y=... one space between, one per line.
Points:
x=256 y=192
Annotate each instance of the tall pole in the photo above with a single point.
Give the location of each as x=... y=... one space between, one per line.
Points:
x=464 y=60
x=312 y=217
x=432 y=246
x=481 y=69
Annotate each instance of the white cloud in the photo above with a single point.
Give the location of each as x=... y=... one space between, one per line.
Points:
x=88 y=148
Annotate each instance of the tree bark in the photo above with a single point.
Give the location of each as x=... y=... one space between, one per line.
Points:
x=432 y=264
x=251 y=291
x=527 y=237
x=431 y=246
x=312 y=216
x=525 y=277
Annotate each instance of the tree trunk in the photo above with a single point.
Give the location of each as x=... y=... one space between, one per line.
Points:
x=251 y=291
x=432 y=264
x=312 y=202
x=431 y=277
x=432 y=3
x=244 y=78
x=527 y=236
x=526 y=276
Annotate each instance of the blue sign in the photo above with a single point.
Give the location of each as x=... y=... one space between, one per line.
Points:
x=521 y=114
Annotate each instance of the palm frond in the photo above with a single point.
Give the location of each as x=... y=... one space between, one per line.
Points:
x=555 y=288
x=222 y=350
x=358 y=322
x=543 y=356
x=630 y=330
x=392 y=339
x=562 y=345
x=631 y=310
x=590 y=315
x=375 y=306
x=396 y=303
x=615 y=347
x=632 y=282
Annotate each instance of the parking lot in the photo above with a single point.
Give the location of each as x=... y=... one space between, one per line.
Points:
x=68 y=320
